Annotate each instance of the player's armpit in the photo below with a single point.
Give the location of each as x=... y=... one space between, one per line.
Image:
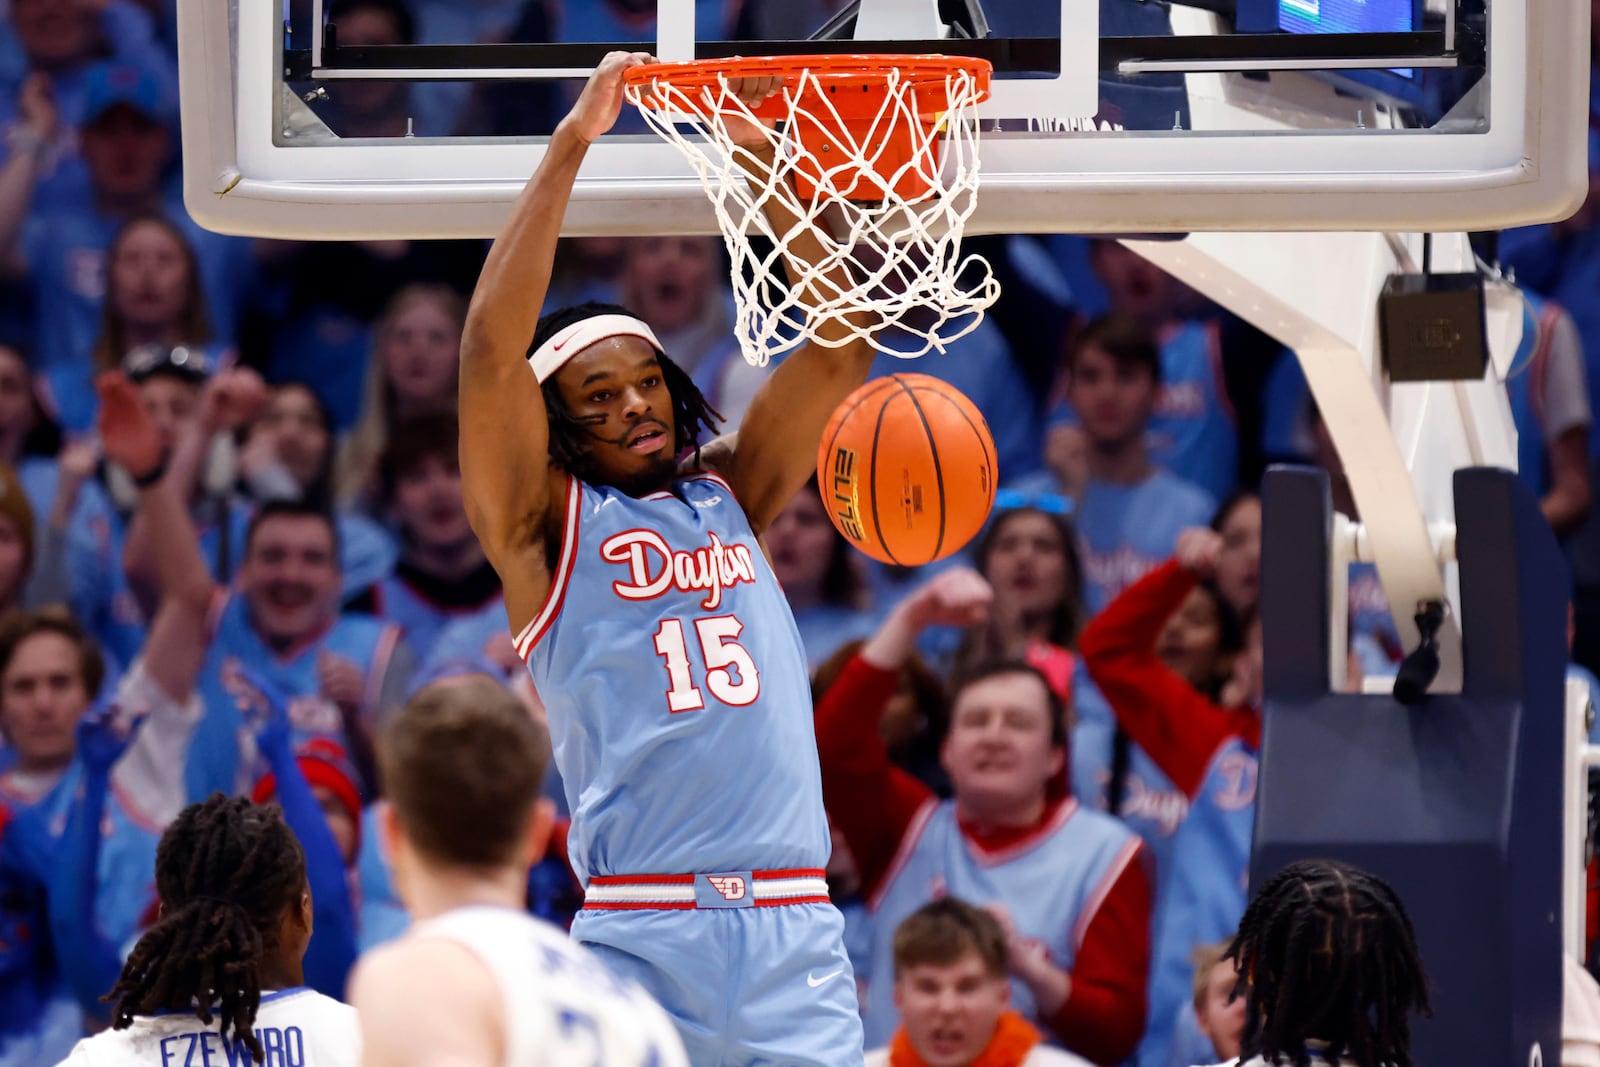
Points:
x=531 y=570
x=427 y=1003
x=506 y=477
x=781 y=429
x=715 y=456
x=507 y=481
x=777 y=447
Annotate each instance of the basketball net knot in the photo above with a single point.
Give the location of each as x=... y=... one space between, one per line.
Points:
x=875 y=160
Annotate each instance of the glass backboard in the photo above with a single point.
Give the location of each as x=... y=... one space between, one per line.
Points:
x=307 y=119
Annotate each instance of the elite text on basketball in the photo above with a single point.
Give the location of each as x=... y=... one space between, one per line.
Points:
x=844 y=494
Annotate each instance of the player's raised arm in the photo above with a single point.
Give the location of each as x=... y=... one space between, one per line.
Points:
x=777 y=449
x=506 y=474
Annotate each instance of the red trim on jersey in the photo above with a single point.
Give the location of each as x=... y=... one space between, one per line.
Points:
x=1104 y=1014
x=689 y=905
x=382 y=653
x=872 y=802
x=556 y=595
x=908 y=845
x=791 y=872
x=710 y=476
x=220 y=595
x=642 y=879
x=645 y=881
x=1114 y=872
x=992 y=848
x=1539 y=362
x=1177 y=726
x=688 y=879
x=1219 y=377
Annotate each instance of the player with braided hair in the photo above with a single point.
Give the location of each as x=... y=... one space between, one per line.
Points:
x=235 y=922
x=631 y=567
x=1329 y=960
x=570 y=441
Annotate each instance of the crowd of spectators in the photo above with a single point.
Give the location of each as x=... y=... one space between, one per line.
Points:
x=1059 y=725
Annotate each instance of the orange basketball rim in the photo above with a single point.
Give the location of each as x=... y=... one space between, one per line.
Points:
x=866 y=126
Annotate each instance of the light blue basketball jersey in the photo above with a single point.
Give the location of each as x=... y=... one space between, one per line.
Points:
x=1125 y=530
x=1051 y=884
x=676 y=685
x=421 y=620
x=1205 y=891
x=1152 y=806
x=463 y=638
x=1192 y=433
x=219 y=739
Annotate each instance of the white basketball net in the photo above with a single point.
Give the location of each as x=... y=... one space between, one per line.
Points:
x=902 y=255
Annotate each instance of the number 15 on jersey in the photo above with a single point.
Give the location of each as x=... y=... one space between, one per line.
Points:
x=723 y=663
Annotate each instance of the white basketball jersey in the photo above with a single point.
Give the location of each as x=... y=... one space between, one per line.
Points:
x=294 y=1026
x=563 y=1007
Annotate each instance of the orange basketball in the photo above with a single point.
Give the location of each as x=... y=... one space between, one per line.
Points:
x=907 y=469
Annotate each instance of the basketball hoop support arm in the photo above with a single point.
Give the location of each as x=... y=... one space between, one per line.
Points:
x=1399 y=443
x=899 y=20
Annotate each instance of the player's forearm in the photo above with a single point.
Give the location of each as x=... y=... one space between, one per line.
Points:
x=803 y=256
x=1175 y=724
x=511 y=288
x=504 y=433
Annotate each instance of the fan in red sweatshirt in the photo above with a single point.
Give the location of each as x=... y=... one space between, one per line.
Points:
x=1207 y=749
x=1071 y=885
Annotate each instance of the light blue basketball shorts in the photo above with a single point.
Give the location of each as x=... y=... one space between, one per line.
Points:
x=749 y=983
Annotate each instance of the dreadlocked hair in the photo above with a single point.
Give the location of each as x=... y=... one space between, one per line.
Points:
x=1327 y=955
x=226 y=871
x=569 y=441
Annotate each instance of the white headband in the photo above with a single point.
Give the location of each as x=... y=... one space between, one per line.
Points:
x=569 y=341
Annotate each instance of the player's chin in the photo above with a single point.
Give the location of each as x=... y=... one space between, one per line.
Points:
x=640 y=472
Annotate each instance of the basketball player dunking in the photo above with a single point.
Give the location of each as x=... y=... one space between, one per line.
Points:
x=656 y=634
x=477 y=981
